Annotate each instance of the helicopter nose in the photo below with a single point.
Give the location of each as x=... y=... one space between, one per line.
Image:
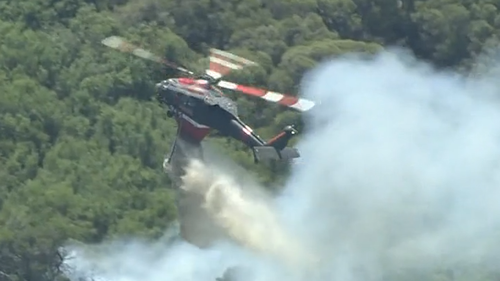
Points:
x=158 y=85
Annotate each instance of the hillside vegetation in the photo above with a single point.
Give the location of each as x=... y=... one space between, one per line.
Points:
x=82 y=139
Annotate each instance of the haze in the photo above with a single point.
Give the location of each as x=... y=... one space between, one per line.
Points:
x=398 y=180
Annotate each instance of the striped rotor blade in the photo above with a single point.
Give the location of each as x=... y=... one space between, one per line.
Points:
x=286 y=100
x=122 y=45
x=222 y=63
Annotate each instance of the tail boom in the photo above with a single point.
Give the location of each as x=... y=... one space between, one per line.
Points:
x=265 y=153
x=276 y=148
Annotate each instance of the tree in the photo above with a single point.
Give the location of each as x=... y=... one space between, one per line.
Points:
x=81 y=138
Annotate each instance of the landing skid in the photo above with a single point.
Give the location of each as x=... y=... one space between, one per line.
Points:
x=167 y=168
x=166 y=161
x=176 y=161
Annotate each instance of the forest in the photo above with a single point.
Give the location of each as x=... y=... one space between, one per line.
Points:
x=82 y=139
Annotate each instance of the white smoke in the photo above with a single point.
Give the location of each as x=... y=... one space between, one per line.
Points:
x=247 y=218
x=398 y=179
x=400 y=169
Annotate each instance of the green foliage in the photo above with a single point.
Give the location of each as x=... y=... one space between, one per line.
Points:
x=82 y=140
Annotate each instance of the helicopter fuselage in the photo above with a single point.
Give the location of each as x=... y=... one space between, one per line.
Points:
x=199 y=107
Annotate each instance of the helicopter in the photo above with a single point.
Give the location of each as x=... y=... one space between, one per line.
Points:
x=199 y=106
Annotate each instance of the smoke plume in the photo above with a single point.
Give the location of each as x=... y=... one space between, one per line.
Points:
x=398 y=179
x=246 y=217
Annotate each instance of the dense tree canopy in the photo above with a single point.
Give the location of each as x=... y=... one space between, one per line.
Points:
x=82 y=140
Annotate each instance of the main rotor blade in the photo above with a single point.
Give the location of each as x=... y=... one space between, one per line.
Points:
x=286 y=100
x=222 y=63
x=122 y=45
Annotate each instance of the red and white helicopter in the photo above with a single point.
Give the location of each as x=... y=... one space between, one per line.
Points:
x=198 y=104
